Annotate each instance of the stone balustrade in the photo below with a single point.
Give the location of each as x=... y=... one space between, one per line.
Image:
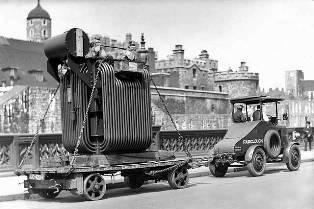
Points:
x=13 y=146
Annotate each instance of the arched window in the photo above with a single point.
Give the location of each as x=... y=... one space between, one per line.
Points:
x=44 y=22
x=194 y=73
x=220 y=88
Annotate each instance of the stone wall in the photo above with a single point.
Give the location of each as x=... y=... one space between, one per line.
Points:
x=22 y=113
x=194 y=78
x=182 y=77
x=38 y=101
x=237 y=84
x=190 y=109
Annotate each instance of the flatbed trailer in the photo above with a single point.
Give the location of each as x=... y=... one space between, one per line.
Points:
x=88 y=181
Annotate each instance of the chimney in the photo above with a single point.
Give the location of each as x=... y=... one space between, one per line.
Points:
x=204 y=55
x=142 y=41
x=178 y=54
x=13 y=73
x=243 y=67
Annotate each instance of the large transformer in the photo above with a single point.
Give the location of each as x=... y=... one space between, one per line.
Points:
x=119 y=119
x=106 y=122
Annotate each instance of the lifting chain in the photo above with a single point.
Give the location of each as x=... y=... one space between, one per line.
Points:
x=37 y=131
x=172 y=121
x=72 y=163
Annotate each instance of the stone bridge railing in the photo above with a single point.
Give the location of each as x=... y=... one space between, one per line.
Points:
x=13 y=146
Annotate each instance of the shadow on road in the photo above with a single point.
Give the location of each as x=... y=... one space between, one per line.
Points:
x=67 y=197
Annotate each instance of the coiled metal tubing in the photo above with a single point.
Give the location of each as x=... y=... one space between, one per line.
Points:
x=126 y=112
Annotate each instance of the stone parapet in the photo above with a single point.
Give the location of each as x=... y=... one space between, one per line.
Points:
x=178 y=92
x=230 y=76
x=161 y=64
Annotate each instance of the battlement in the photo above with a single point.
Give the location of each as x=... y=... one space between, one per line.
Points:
x=230 y=76
x=161 y=64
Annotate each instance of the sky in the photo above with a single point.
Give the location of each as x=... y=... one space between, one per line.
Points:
x=271 y=36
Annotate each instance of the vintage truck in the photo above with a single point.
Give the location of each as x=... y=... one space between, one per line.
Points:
x=253 y=143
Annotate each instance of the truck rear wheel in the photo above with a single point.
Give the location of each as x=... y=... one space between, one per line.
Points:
x=257 y=165
x=294 y=159
x=178 y=178
x=94 y=187
x=219 y=170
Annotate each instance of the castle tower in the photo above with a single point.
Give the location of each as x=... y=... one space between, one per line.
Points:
x=237 y=83
x=38 y=24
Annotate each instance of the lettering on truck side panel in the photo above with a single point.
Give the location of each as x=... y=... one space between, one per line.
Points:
x=253 y=141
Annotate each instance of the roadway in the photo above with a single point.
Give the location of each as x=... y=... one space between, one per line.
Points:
x=278 y=188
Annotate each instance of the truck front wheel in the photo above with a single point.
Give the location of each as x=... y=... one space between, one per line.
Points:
x=257 y=165
x=294 y=159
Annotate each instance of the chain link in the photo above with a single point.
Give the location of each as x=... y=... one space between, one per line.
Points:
x=83 y=123
x=37 y=131
x=171 y=118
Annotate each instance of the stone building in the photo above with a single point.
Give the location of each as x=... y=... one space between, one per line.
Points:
x=293 y=82
x=26 y=88
x=179 y=72
x=202 y=74
x=237 y=83
x=38 y=24
x=297 y=87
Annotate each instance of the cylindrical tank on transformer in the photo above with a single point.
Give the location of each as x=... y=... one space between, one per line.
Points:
x=74 y=42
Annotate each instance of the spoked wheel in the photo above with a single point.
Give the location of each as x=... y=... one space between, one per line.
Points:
x=94 y=187
x=294 y=159
x=178 y=178
x=219 y=170
x=258 y=163
x=134 y=181
x=48 y=193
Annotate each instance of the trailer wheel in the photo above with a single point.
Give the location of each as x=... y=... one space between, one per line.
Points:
x=257 y=165
x=218 y=170
x=134 y=181
x=294 y=159
x=178 y=178
x=94 y=187
x=48 y=193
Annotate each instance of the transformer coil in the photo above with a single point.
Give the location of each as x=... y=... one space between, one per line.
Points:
x=126 y=113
